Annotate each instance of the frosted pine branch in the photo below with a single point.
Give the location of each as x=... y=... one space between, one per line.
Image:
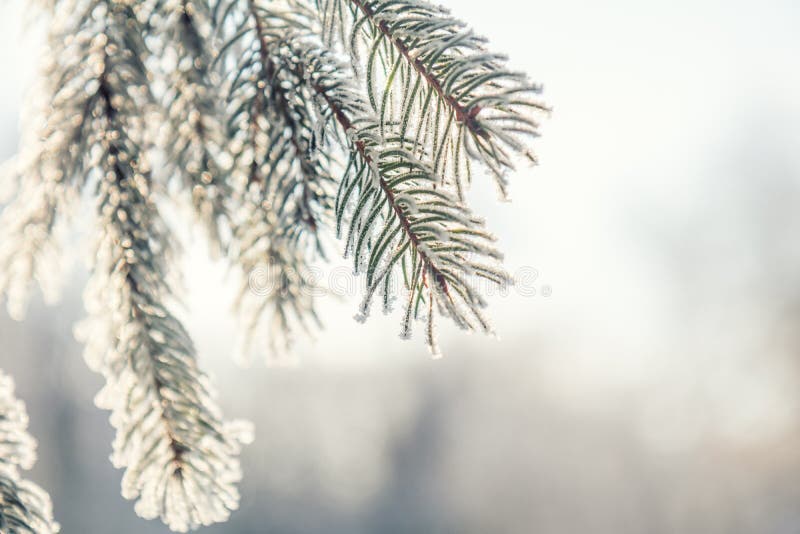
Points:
x=180 y=458
x=57 y=136
x=287 y=196
x=28 y=248
x=278 y=292
x=396 y=219
x=193 y=134
x=17 y=446
x=24 y=506
x=432 y=75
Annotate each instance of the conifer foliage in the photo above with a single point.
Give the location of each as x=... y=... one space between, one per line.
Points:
x=277 y=122
x=24 y=506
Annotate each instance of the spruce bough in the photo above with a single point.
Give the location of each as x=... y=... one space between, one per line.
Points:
x=250 y=113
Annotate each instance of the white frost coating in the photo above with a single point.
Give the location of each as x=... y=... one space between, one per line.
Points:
x=180 y=459
x=397 y=217
x=24 y=506
x=193 y=134
x=495 y=109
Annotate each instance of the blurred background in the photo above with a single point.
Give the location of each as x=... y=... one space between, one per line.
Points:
x=648 y=384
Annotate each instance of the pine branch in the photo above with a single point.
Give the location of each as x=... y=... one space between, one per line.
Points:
x=278 y=290
x=287 y=198
x=57 y=136
x=396 y=216
x=438 y=82
x=28 y=248
x=180 y=459
x=193 y=134
x=24 y=506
